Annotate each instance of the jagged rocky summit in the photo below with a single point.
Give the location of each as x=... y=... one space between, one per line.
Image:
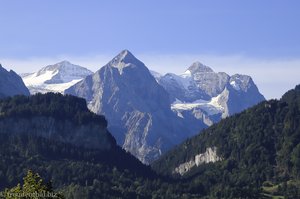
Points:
x=136 y=106
x=148 y=115
x=209 y=96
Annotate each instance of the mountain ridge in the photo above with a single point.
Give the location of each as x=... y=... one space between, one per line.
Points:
x=138 y=105
x=55 y=78
x=198 y=67
x=139 y=110
x=11 y=84
x=209 y=96
x=132 y=101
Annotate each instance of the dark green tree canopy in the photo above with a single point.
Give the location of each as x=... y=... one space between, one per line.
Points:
x=51 y=104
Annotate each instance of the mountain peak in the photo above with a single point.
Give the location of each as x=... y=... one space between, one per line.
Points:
x=126 y=53
x=125 y=59
x=62 y=64
x=65 y=62
x=199 y=67
x=55 y=78
x=55 y=67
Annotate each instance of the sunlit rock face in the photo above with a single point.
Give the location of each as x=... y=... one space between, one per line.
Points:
x=210 y=155
x=149 y=113
x=137 y=108
x=202 y=94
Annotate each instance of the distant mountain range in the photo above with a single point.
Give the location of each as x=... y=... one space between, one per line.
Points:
x=254 y=154
x=209 y=96
x=251 y=154
x=55 y=78
x=149 y=113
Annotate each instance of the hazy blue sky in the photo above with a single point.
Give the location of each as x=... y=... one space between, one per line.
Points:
x=257 y=37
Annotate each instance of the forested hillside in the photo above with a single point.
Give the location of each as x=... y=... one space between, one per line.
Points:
x=75 y=170
x=259 y=151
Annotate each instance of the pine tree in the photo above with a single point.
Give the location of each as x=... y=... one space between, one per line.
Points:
x=33 y=187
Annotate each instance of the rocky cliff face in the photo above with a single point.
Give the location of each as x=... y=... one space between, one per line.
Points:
x=210 y=155
x=11 y=84
x=149 y=115
x=54 y=116
x=202 y=94
x=136 y=106
x=89 y=135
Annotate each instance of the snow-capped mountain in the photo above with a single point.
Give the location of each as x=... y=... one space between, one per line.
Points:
x=149 y=113
x=209 y=96
x=11 y=84
x=137 y=108
x=55 y=78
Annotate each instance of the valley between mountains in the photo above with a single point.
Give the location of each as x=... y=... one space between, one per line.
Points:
x=125 y=131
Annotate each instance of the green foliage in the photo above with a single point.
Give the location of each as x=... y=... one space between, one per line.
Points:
x=50 y=105
x=33 y=187
x=78 y=172
x=260 y=144
x=260 y=149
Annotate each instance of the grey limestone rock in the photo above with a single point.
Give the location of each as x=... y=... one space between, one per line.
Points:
x=136 y=106
x=228 y=94
x=139 y=106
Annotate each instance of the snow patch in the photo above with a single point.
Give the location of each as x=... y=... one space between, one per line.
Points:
x=56 y=88
x=235 y=85
x=187 y=73
x=55 y=78
x=35 y=79
x=120 y=66
x=210 y=107
x=215 y=101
